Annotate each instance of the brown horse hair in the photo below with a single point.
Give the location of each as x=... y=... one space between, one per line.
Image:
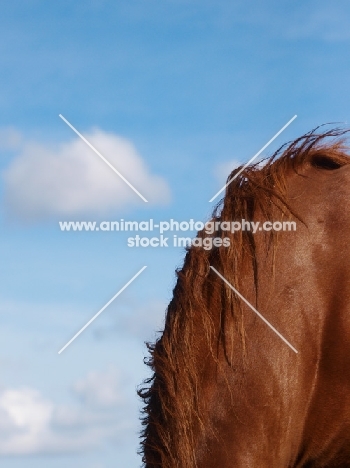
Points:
x=172 y=416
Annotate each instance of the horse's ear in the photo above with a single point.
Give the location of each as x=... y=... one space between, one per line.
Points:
x=325 y=162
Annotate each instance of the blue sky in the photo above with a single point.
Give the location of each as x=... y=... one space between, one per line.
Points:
x=176 y=92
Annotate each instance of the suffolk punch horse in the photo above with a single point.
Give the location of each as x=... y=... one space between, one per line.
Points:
x=226 y=391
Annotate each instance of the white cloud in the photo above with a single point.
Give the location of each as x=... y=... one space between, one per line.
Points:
x=25 y=408
x=31 y=424
x=25 y=415
x=72 y=181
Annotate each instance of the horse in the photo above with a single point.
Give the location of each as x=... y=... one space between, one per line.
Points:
x=226 y=391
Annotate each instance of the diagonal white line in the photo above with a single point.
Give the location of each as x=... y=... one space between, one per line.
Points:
x=103 y=159
x=254 y=310
x=101 y=310
x=254 y=157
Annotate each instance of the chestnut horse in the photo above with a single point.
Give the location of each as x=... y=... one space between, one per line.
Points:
x=226 y=391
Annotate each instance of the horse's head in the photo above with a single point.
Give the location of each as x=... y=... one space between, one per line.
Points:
x=218 y=369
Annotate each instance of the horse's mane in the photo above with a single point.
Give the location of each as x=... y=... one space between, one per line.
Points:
x=172 y=415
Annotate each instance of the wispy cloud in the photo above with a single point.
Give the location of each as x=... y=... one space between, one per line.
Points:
x=31 y=424
x=100 y=389
x=140 y=321
x=43 y=183
x=10 y=138
x=325 y=22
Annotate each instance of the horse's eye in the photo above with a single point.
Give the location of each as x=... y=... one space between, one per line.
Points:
x=325 y=162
